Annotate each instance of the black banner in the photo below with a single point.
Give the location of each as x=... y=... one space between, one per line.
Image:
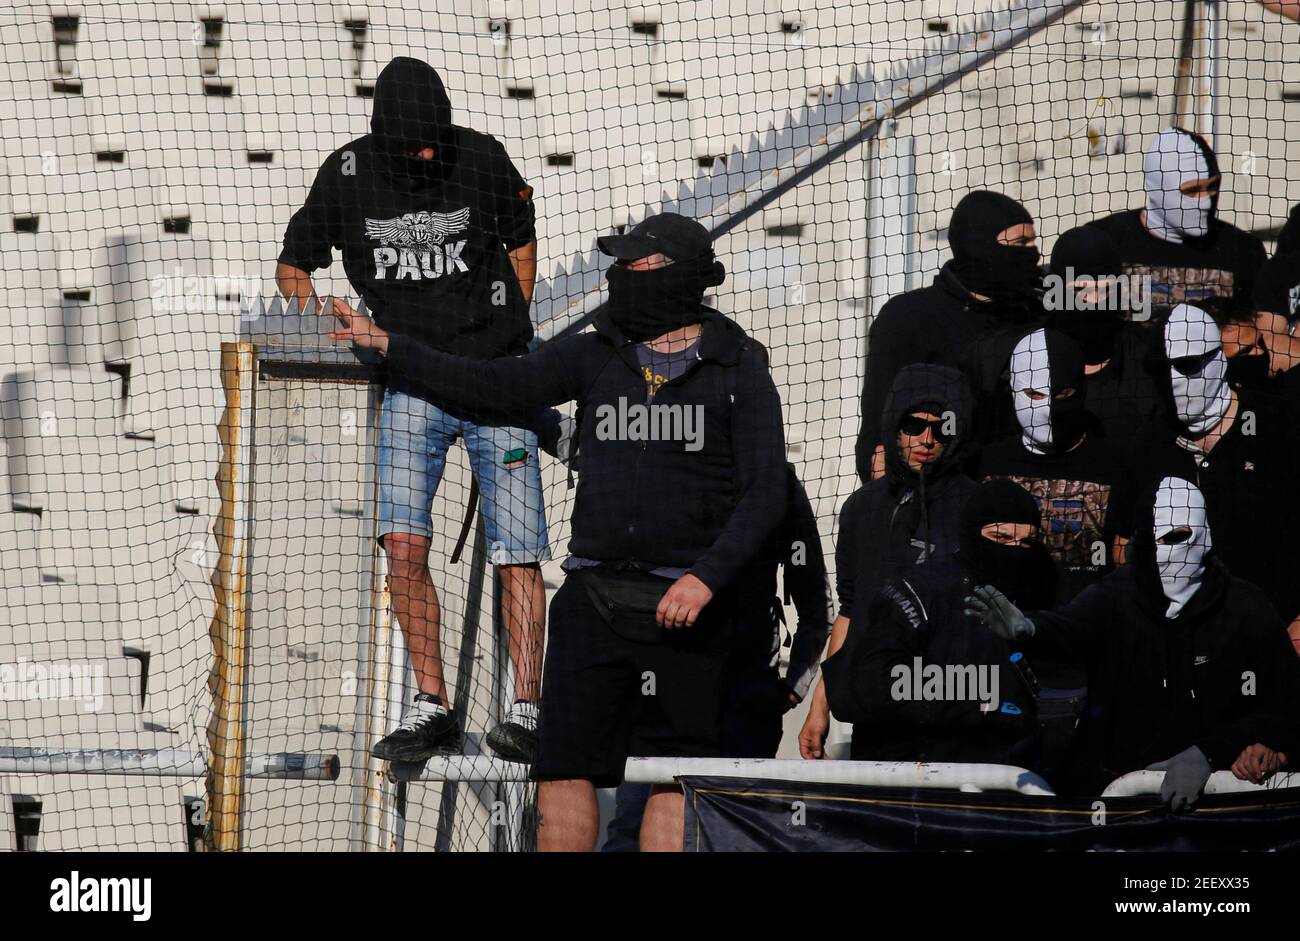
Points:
x=735 y=815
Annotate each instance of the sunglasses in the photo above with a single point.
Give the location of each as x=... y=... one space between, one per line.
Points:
x=1193 y=365
x=914 y=427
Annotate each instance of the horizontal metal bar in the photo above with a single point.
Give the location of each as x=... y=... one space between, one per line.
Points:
x=946 y=775
x=1139 y=783
x=162 y=762
x=457 y=768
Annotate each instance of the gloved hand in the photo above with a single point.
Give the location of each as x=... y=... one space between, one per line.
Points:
x=998 y=614
x=1185 y=777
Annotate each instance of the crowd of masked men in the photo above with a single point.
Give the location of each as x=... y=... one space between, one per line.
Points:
x=1093 y=491
x=1074 y=547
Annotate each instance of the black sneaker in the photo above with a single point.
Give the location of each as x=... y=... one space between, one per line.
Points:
x=427 y=728
x=515 y=738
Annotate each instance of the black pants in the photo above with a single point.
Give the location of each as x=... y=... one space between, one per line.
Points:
x=605 y=698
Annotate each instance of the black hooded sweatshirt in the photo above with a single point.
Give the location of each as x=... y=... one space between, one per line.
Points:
x=943 y=324
x=1220 y=676
x=651 y=503
x=902 y=519
x=920 y=615
x=424 y=243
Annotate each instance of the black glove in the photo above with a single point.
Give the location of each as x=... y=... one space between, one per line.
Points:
x=996 y=612
x=1185 y=777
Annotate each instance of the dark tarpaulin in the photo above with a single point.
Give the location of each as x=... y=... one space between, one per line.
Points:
x=737 y=815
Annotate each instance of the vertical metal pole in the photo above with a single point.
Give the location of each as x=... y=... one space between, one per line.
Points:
x=371 y=787
x=228 y=629
x=1211 y=71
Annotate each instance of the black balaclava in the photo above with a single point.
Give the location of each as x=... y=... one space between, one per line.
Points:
x=1087 y=252
x=647 y=304
x=1026 y=576
x=980 y=262
x=411 y=112
x=1249 y=370
x=1048 y=361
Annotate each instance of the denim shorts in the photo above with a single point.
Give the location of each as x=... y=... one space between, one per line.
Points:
x=414 y=437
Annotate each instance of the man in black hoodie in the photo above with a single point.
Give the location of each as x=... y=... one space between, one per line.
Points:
x=910 y=516
x=435 y=227
x=968 y=318
x=1188 y=667
x=683 y=480
x=921 y=681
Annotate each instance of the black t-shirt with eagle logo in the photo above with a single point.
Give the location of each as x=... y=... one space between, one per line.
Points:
x=428 y=257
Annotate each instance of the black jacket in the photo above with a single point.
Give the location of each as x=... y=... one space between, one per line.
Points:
x=921 y=615
x=1220 y=676
x=940 y=325
x=795 y=547
x=1251 y=483
x=649 y=502
x=893 y=523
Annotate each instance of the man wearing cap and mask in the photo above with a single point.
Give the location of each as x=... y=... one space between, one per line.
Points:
x=1188 y=666
x=914 y=631
x=683 y=479
x=436 y=231
x=1080 y=480
x=1177 y=240
x=911 y=515
x=1087 y=299
x=1242 y=449
x=967 y=318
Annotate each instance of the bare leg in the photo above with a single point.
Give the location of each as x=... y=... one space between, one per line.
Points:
x=416 y=603
x=570 y=816
x=523 y=606
x=665 y=820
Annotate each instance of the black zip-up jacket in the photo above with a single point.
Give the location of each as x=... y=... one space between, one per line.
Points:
x=1220 y=676
x=920 y=615
x=939 y=325
x=650 y=503
x=891 y=524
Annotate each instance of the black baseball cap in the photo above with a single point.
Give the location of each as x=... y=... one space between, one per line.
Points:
x=676 y=236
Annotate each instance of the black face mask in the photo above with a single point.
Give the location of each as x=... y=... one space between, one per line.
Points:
x=647 y=304
x=1248 y=370
x=1001 y=272
x=1094 y=327
x=1025 y=575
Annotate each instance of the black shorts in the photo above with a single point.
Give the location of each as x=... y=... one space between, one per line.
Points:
x=606 y=699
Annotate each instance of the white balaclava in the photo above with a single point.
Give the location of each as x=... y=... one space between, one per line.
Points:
x=1176 y=157
x=1181 y=566
x=1202 y=398
x=1030 y=370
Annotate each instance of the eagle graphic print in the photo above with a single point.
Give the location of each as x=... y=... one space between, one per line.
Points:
x=416 y=246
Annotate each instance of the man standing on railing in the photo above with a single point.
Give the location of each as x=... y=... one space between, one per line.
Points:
x=1189 y=668
x=682 y=481
x=435 y=226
